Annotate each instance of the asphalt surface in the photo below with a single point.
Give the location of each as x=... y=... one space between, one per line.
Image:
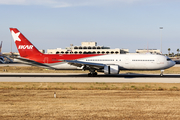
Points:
x=76 y=77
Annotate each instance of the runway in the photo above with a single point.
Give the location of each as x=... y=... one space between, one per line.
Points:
x=77 y=77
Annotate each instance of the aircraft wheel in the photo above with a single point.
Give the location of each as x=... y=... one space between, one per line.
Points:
x=89 y=75
x=95 y=74
x=92 y=74
x=162 y=71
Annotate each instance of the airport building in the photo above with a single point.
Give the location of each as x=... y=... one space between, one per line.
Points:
x=87 y=48
x=42 y=51
x=153 y=51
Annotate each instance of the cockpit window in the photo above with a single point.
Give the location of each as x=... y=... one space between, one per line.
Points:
x=168 y=59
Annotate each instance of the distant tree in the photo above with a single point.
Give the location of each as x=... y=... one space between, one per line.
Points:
x=178 y=52
x=169 y=49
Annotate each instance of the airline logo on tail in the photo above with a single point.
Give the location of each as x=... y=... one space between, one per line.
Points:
x=16 y=36
x=25 y=47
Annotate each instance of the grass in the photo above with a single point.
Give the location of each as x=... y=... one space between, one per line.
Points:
x=74 y=101
x=34 y=69
x=90 y=86
x=89 y=104
x=102 y=101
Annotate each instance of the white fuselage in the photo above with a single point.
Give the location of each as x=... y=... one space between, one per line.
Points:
x=126 y=61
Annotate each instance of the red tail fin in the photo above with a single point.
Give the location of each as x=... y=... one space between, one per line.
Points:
x=23 y=45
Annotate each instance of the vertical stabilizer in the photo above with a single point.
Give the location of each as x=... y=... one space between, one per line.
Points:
x=24 y=46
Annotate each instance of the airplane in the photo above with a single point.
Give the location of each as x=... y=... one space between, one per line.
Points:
x=107 y=63
x=3 y=57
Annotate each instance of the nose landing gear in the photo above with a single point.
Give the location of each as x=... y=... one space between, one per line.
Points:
x=162 y=71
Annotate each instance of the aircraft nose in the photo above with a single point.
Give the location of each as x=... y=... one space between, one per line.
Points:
x=173 y=63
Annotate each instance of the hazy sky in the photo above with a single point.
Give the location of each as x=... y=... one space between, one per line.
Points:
x=131 y=24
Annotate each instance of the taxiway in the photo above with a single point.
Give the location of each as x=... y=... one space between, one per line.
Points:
x=77 y=77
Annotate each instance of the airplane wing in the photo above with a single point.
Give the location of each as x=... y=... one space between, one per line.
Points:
x=31 y=62
x=86 y=65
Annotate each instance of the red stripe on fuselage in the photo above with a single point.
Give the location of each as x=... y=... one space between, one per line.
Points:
x=55 y=58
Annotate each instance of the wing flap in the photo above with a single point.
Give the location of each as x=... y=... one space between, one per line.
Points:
x=87 y=64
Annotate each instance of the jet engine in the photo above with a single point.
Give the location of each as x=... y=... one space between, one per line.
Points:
x=111 y=69
x=1 y=59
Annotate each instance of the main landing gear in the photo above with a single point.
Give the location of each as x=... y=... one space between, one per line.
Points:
x=92 y=73
x=162 y=71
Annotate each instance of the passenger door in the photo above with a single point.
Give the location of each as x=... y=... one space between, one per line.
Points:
x=46 y=60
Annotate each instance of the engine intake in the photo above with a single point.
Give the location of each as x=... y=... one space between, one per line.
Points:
x=111 y=69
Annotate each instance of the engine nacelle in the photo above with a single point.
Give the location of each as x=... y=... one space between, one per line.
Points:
x=111 y=69
x=2 y=58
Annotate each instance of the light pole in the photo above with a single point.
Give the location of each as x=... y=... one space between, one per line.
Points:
x=71 y=48
x=161 y=28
